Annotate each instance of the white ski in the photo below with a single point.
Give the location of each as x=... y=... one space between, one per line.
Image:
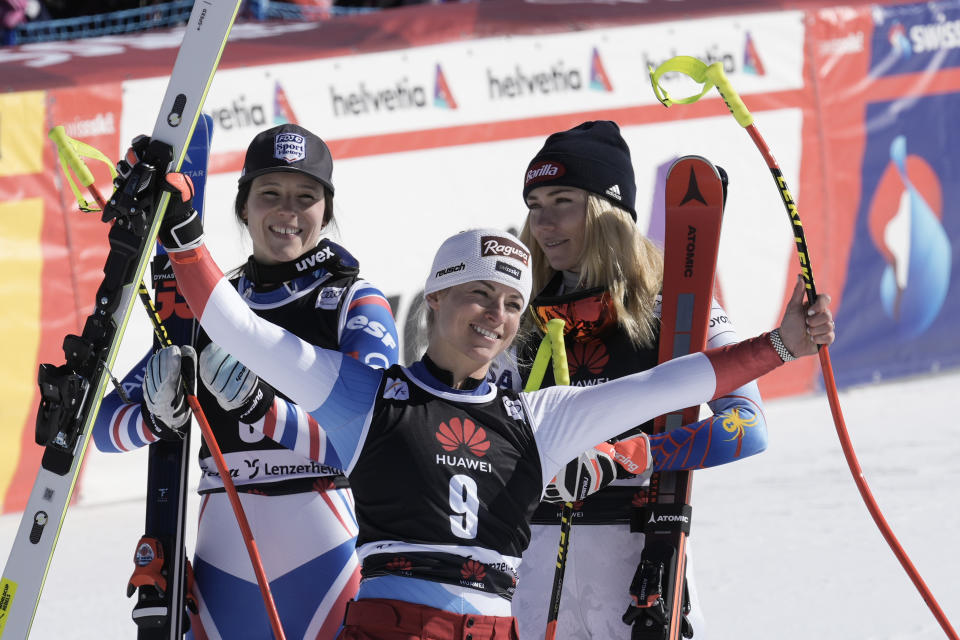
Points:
x=26 y=569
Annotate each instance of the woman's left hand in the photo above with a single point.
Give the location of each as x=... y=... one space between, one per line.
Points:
x=804 y=326
x=181 y=228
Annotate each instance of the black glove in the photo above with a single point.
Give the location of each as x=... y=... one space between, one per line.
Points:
x=169 y=372
x=136 y=153
x=181 y=229
x=137 y=185
x=238 y=390
x=590 y=472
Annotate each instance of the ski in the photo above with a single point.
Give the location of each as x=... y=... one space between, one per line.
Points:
x=161 y=575
x=694 y=211
x=71 y=393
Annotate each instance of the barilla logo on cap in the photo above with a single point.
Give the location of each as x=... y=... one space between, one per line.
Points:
x=289 y=147
x=504 y=247
x=544 y=171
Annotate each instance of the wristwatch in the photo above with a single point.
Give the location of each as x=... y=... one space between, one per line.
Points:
x=781 y=348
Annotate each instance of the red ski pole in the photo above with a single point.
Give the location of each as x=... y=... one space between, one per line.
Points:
x=713 y=76
x=69 y=156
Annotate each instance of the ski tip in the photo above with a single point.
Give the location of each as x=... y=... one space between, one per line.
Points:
x=693 y=161
x=694 y=180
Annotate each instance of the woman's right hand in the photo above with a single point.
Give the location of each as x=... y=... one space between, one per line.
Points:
x=170 y=374
x=806 y=326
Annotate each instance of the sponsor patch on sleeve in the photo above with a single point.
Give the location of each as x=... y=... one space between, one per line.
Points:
x=329 y=297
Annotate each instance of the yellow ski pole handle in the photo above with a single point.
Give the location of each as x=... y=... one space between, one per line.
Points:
x=551 y=348
x=539 y=368
x=719 y=79
x=561 y=372
x=68 y=153
x=71 y=153
x=709 y=76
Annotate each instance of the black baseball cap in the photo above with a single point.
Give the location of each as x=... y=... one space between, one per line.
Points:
x=288 y=147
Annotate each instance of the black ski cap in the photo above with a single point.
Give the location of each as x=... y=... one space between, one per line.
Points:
x=592 y=156
x=288 y=147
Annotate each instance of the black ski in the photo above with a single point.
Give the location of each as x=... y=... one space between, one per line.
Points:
x=161 y=575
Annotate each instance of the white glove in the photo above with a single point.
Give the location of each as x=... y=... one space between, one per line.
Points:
x=237 y=389
x=164 y=408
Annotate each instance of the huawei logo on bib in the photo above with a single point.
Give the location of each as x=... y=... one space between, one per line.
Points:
x=399 y=563
x=591 y=356
x=473 y=570
x=465 y=434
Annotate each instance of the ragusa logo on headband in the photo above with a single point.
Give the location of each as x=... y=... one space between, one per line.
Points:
x=542 y=171
x=499 y=246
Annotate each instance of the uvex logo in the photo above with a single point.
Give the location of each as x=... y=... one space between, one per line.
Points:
x=312 y=261
x=544 y=171
x=463 y=434
x=499 y=246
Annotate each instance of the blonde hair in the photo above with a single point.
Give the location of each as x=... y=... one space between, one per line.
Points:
x=617 y=257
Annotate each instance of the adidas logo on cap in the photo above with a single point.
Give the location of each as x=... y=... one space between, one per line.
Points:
x=614 y=191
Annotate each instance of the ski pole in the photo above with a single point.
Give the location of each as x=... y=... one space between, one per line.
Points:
x=71 y=153
x=711 y=76
x=552 y=345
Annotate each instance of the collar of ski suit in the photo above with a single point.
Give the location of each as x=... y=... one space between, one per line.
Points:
x=429 y=372
x=326 y=257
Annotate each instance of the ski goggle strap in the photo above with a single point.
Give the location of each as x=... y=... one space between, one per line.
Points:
x=709 y=76
x=71 y=153
x=586 y=315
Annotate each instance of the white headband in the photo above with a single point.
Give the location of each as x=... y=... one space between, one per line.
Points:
x=481 y=254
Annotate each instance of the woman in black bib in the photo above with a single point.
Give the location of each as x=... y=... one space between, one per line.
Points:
x=596 y=270
x=446 y=468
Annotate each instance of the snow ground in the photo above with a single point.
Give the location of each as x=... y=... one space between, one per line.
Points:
x=784 y=547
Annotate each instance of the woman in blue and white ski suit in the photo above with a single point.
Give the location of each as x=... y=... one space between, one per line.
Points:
x=301 y=511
